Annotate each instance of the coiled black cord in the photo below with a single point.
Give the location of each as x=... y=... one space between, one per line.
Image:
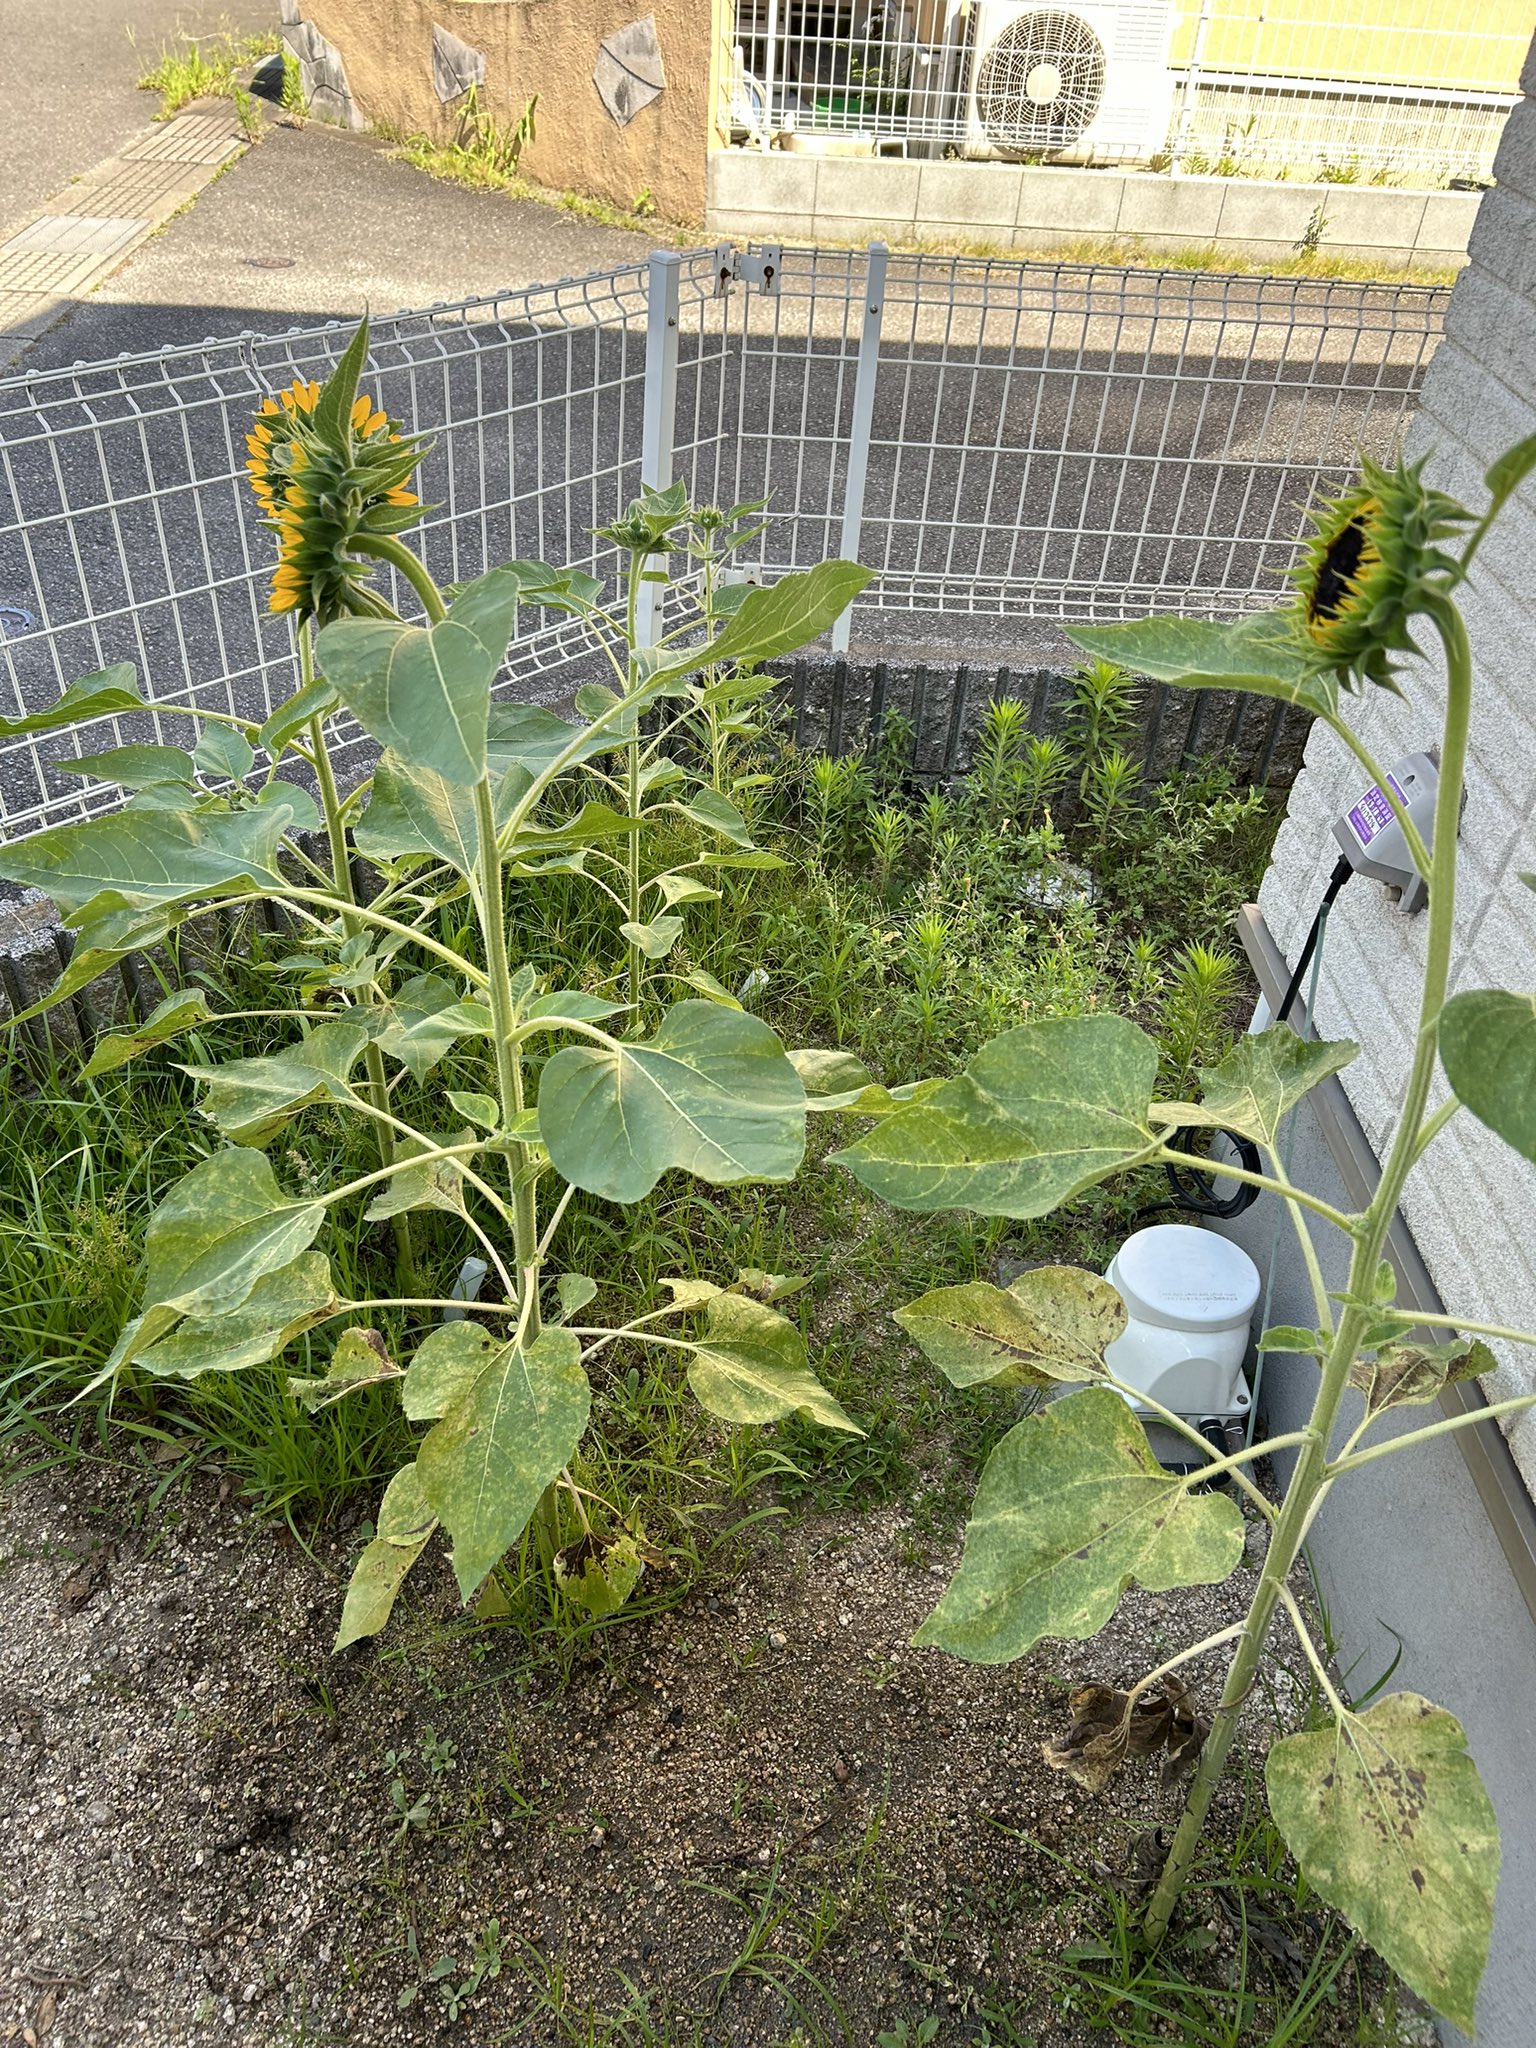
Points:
x=1195 y=1192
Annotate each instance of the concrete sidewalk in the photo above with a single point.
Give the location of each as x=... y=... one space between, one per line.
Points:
x=314 y=223
x=72 y=73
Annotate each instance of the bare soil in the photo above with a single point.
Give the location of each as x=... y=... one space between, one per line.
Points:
x=755 y=1817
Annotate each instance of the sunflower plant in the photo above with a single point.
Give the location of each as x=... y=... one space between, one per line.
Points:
x=496 y=1091
x=1382 y=1808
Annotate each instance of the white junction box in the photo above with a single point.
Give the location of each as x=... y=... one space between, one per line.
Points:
x=1189 y=1296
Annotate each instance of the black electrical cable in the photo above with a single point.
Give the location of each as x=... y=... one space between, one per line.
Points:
x=1195 y=1192
x=1341 y=874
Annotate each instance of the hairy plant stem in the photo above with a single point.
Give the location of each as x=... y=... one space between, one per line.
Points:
x=376 y=1089
x=1369 y=1231
x=632 y=786
x=509 y=1065
x=385 y=548
x=527 y=1250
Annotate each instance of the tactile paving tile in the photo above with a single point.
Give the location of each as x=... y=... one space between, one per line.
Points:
x=19 y=310
x=60 y=251
x=189 y=139
x=120 y=188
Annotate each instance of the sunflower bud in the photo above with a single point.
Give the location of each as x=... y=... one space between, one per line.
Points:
x=1374 y=562
x=324 y=484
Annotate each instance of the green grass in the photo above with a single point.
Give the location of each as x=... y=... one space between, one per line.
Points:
x=1254 y=1958
x=1133 y=253
x=481 y=171
x=195 y=68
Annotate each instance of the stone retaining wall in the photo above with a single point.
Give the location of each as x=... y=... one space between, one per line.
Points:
x=788 y=196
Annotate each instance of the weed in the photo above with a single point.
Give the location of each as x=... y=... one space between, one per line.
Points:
x=908 y=2034
x=193 y=69
x=1311 y=239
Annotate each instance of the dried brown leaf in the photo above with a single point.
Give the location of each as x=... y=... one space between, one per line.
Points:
x=1109 y=1725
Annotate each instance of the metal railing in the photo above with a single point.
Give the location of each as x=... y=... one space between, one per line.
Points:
x=996 y=439
x=1411 y=91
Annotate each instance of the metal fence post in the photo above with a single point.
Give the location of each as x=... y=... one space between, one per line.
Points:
x=861 y=424
x=663 y=308
x=1178 y=145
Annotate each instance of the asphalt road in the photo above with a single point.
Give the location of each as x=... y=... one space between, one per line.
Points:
x=314 y=224
x=71 y=76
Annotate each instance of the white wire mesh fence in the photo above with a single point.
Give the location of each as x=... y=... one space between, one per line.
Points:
x=996 y=439
x=1042 y=440
x=1402 y=90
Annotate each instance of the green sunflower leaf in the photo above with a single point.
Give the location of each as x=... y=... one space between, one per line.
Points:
x=135 y=859
x=251 y=1100
x=223 y=1227
x=132 y=767
x=1039 y=1114
x=751 y=1366
x=425 y=691
x=405 y=1525
x=424 y=1019
x=1072 y=1508
x=100 y=695
x=1262 y=1079
x=711 y=1092
x=1488 y=1050
x=446 y=1364
x=1264 y=653
x=1048 y=1326
x=181 y=1011
x=279 y=1308
x=1389 y=1823
x=360 y=1359
x=505 y=1439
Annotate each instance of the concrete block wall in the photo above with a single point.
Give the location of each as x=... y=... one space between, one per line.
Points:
x=1470 y=1205
x=789 y=196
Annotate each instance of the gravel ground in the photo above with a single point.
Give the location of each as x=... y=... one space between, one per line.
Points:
x=204 y=1842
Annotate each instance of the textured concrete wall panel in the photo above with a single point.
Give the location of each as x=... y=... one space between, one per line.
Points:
x=1471 y=1202
x=1049 y=206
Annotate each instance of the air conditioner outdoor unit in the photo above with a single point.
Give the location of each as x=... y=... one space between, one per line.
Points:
x=1074 y=81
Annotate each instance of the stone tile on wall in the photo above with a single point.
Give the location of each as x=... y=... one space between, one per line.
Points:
x=323 y=76
x=879 y=189
x=1367 y=216
x=1501 y=244
x=1261 y=211
x=1071 y=202
x=1517 y=152
x=763 y=181
x=964 y=195
x=1184 y=210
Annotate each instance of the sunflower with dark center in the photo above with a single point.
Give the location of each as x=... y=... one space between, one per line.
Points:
x=1373 y=564
x=327 y=490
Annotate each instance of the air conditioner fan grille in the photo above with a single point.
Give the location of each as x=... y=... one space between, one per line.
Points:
x=1041 y=82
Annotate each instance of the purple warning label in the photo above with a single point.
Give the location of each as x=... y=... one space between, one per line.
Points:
x=1373 y=813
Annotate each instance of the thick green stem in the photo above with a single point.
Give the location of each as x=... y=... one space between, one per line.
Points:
x=632 y=787
x=386 y=548
x=509 y=1066
x=1370 y=1232
x=376 y=1088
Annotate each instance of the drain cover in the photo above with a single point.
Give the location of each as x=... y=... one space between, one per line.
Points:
x=269 y=262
